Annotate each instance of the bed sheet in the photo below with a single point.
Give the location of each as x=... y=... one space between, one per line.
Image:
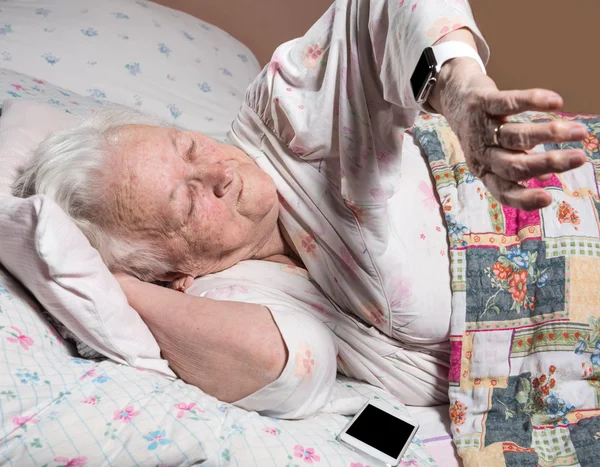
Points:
x=132 y=52
x=57 y=410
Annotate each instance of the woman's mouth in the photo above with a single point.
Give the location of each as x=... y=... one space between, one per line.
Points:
x=241 y=187
x=241 y=190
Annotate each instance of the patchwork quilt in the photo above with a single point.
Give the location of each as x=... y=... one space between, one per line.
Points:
x=525 y=365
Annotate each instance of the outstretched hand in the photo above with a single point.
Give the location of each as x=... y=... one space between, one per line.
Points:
x=475 y=108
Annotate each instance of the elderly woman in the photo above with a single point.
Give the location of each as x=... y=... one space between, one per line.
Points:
x=320 y=182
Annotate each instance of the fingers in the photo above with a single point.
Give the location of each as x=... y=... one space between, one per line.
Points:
x=516 y=166
x=183 y=283
x=523 y=136
x=544 y=178
x=503 y=103
x=189 y=280
x=511 y=194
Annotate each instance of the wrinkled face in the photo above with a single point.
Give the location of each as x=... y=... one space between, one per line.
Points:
x=206 y=203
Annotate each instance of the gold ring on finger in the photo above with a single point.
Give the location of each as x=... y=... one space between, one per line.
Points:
x=497 y=134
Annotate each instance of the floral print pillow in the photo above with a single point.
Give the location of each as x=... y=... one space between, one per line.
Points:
x=20 y=86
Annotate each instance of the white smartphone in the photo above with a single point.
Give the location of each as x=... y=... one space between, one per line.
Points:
x=379 y=433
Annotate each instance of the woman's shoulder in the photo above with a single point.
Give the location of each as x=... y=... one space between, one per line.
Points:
x=280 y=287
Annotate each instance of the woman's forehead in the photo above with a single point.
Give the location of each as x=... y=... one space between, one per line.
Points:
x=132 y=136
x=143 y=168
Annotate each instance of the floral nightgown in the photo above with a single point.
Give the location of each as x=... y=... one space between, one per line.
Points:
x=327 y=120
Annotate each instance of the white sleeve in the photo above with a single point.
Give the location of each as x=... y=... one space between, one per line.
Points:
x=306 y=384
x=337 y=96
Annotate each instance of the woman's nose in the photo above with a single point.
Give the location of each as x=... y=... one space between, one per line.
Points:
x=220 y=178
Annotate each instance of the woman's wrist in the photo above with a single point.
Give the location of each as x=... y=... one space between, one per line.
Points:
x=458 y=78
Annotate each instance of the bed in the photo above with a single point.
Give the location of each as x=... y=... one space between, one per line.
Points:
x=59 y=409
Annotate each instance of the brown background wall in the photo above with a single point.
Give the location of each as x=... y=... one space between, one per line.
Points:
x=545 y=43
x=534 y=43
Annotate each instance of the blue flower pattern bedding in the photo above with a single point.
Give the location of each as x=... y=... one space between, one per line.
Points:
x=60 y=410
x=135 y=53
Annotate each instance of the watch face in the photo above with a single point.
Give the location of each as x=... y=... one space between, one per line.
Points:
x=424 y=71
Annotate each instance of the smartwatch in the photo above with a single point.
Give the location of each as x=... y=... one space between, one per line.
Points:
x=426 y=72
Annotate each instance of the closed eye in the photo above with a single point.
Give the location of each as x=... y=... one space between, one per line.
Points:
x=192 y=198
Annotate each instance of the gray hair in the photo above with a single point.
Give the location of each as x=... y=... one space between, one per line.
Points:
x=68 y=168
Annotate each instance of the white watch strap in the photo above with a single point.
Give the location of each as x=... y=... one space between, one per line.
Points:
x=454 y=49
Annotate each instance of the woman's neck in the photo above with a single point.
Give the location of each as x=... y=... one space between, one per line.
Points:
x=279 y=249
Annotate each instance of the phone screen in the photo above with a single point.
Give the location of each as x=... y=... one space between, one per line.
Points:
x=381 y=430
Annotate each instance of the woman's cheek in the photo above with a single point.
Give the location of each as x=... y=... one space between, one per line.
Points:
x=213 y=214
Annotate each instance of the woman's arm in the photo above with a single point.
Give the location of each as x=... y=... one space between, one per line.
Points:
x=228 y=349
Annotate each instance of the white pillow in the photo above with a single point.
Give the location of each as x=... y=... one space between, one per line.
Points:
x=42 y=247
x=25 y=124
x=136 y=53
